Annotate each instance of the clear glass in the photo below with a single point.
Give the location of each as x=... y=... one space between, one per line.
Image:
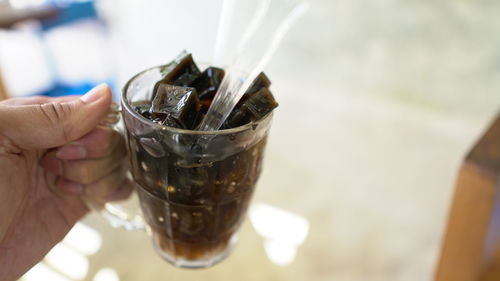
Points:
x=194 y=187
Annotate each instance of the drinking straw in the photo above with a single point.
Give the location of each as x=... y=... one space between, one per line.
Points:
x=236 y=82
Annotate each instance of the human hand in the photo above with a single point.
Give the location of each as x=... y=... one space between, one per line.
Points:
x=53 y=153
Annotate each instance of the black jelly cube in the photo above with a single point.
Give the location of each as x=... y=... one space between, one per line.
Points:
x=252 y=109
x=261 y=81
x=208 y=82
x=176 y=106
x=183 y=72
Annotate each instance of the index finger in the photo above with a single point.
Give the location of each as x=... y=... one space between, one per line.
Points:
x=99 y=143
x=37 y=100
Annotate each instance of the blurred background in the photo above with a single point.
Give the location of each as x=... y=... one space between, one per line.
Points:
x=379 y=102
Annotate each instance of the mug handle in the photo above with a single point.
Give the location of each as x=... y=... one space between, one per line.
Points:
x=118 y=214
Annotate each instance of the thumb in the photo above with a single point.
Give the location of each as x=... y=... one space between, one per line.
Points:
x=47 y=125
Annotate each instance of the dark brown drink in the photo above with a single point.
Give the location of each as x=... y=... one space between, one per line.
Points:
x=193 y=209
x=195 y=186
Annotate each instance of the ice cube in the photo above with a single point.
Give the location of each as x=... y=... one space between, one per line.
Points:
x=237 y=116
x=176 y=106
x=261 y=81
x=181 y=72
x=253 y=108
x=208 y=82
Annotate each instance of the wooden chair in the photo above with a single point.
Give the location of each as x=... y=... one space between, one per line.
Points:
x=3 y=91
x=471 y=250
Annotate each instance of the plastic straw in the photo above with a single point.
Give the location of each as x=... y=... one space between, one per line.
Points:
x=235 y=84
x=223 y=31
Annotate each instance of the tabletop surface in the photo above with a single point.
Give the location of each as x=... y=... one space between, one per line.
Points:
x=371 y=179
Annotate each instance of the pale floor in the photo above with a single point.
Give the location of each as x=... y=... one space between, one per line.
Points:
x=372 y=177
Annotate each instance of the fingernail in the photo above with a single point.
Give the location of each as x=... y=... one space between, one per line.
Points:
x=71 y=152
x=95 y=94
x=53 y=165
x=72 y=187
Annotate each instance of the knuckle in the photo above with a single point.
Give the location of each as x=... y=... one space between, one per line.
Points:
x=57 y=115
x=54 y=112
x=50 y=113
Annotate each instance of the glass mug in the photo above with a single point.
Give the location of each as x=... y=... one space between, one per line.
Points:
x=194 y=187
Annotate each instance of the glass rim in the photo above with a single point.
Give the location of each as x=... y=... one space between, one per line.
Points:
x=125 y=103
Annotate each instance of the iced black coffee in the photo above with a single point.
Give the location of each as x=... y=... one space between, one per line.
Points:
x=195 y=186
